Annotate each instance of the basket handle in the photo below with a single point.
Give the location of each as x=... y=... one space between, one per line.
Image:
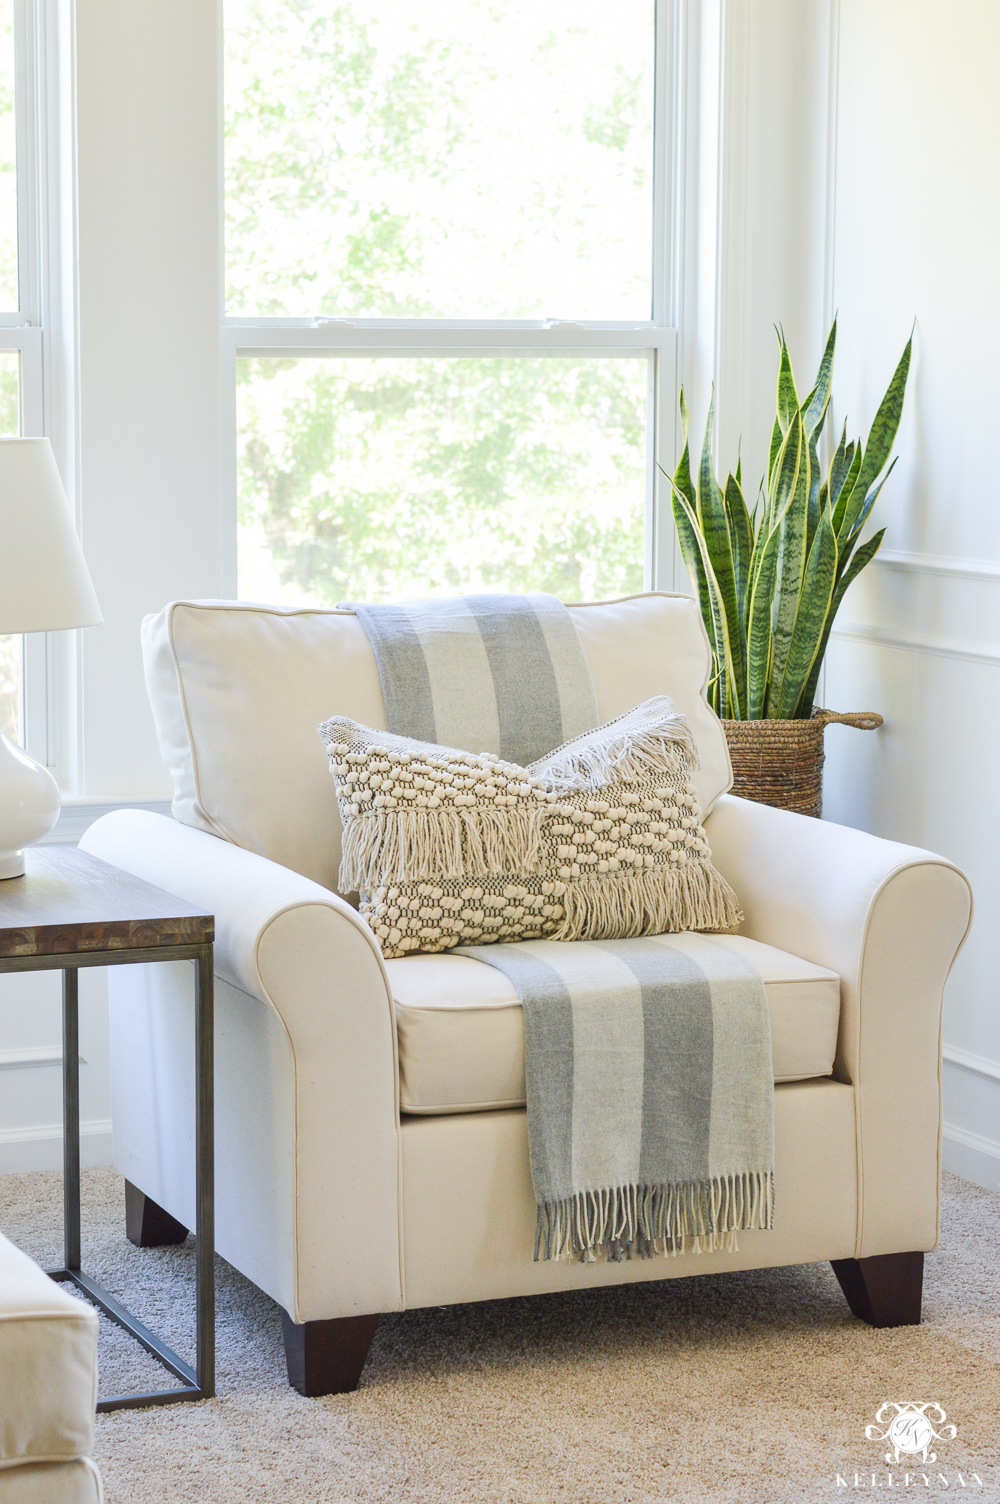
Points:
x=864 y=720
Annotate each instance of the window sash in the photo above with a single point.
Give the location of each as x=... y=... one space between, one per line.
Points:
x=300 y=339
x=295 y=338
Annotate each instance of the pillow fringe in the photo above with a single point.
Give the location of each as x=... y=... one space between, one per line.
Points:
x=652 y=901
x=625 y=752
x=422 y=845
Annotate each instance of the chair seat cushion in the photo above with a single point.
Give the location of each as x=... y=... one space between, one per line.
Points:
x=461 y=1034
x=48 y=1366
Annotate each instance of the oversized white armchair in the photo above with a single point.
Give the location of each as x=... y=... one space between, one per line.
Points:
x=371 y=1131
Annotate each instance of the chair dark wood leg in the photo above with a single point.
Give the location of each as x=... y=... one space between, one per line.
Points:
x=884 y=1290
x=326 y=1357
x=148 y=1225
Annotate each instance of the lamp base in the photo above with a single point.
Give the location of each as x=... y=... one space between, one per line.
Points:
x=11 y=864
x=29 y=805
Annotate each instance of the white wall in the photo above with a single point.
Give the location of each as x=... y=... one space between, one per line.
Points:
x=147 y=104
x=774 y=209
x=149 y=224
x=755 y=210
x=916 y=226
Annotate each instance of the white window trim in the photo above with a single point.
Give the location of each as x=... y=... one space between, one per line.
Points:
x=656 y=338
x=44 y=332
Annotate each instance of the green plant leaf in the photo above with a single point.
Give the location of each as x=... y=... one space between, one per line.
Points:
x=813 y=506
x=880 y=439
x=863 y=556
x=727 y=696
x=818 y=585
x=682 y=475
x=682 y=484
x=865 y=512
x=785 y=473
x=791 y=559
x=687 y=536
x=741 y=533
x=841 y=502
x=840 y=467
x=788 y=397
x=759 y=626
x=776 y=438
x=714 y=521
x=815 y=406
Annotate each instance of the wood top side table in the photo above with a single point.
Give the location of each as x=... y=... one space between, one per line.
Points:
x=71 y=910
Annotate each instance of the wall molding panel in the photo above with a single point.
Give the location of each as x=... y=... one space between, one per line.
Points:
x=971 y=1155
x=920 y=642
x=938 y=564
x=967 y=1061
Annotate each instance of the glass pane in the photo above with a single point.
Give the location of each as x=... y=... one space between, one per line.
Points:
x=385 y=479
x=8 y=164
x=10 y=647
x=10 y=393
x=453 y=159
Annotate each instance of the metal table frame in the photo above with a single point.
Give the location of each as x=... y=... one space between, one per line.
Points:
x=199 y=1382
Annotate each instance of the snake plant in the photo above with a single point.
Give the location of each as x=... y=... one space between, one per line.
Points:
x=771 y=582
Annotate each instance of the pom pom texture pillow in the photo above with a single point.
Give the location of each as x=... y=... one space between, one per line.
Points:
x=600 y=840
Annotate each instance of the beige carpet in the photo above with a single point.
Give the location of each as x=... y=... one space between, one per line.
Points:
x=750 y=1387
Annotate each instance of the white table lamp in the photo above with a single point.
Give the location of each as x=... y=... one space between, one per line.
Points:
x=44 y=587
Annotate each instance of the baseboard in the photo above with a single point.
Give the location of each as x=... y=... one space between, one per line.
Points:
x=971 y=1155
x=40 y=1148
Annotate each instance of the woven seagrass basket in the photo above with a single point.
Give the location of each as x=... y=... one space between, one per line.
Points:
x=781 y=762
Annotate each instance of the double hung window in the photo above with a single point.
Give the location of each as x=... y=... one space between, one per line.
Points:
x=444 y=297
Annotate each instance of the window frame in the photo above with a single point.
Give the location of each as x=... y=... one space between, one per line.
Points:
x=656 y=338
x=42 y=329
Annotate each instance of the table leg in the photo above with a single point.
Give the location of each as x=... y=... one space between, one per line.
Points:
x=205 y=1158
x=71 y=1118
x=197 y=1383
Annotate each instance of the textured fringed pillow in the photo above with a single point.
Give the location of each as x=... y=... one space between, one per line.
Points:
x=600 y=840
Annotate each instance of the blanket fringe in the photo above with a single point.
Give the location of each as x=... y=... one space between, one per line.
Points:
x=650 y=901
x=416 y=845
x=654 y=740
x=619 y=1222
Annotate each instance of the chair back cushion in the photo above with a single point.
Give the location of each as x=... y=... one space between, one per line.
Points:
x=239 y=689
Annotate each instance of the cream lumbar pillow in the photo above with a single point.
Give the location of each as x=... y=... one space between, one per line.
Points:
x=600 y=840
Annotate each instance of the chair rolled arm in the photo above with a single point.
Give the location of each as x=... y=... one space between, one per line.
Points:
x=309 y=956
x=890 y=920
x=247 y=893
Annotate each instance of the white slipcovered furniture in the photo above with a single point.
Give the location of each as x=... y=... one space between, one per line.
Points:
x=48 y=1388
x=371 y=1132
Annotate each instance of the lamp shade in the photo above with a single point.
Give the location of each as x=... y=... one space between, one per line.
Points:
x=45 y=585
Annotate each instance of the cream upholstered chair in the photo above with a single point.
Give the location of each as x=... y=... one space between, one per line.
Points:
x=48 y=1388
x=371 y=1135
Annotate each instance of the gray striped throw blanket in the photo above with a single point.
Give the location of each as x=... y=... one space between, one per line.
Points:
x=486 y=673
x=650 y=1093
x=648 y=1062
